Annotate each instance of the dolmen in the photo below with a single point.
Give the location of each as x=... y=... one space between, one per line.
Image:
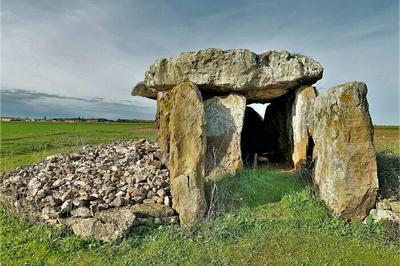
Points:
x=207 y=130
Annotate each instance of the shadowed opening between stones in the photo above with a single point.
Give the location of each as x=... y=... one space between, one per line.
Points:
x=267 y=140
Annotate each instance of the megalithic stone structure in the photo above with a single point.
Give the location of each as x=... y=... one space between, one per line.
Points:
x=206 y=129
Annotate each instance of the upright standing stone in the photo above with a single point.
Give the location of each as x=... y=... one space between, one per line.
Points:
x=302 y=111
x=224 y=123
x=345 y=164
x=187 y=153
x=164 y=103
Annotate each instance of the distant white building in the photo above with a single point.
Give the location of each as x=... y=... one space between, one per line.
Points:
x=10 y=118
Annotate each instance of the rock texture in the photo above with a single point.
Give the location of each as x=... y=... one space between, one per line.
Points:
x=187 y=152
x=141 y=90
x=112 y=224
x=345 y=169
x=224 y=123
x=302 y=118
x=259 y=77
x=387 y=209
x=164 y=104
x=79 y=188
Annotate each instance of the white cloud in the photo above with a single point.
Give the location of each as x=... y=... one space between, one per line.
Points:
x=102 y=48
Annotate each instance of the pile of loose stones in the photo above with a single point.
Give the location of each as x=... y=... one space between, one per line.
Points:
x=83 y=183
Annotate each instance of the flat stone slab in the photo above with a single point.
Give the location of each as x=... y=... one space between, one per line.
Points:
x=112 y=224
x=259 y=77
x=224 y=124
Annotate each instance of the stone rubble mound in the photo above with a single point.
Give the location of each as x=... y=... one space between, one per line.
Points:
x=106 y=182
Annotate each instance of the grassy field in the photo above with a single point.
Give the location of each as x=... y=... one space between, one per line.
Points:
x=27 y=142
x=387 y=139
x=260 y=217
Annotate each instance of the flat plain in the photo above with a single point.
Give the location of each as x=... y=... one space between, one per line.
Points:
x=28 y=142
x=261 y=216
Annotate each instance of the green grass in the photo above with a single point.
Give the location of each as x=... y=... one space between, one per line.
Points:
x=387 y=139
x=28 y=142
x=288 y=227
x=258 y=217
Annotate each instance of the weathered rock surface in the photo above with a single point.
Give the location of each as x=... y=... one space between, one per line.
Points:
x=108 y=225
x=164 y=104
x=345 y=170
x=187 y=153
x=141 y=90
x=152 y=210
x=302 y=115
x=259 y=77
x=386 y=209
x=77 y=188
x=224 y=123
x=112 y=224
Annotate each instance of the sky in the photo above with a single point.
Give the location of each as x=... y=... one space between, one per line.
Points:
x=82 y=58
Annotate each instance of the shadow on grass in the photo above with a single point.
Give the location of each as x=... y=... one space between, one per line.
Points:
x=249 y=189
x=388 y=173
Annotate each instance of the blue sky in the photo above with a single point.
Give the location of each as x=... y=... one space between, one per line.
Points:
x=56 y=52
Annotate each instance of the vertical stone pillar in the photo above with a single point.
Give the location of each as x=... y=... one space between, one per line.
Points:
x=187 y=152
x=224 y=123
x=164 y=104
x=345 y=171
x=302 y=110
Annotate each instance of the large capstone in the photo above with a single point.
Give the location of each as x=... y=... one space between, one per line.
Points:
x=187 y=153
x=345 y=171
x=224 y=123
x=141 y=90
x=259 y=77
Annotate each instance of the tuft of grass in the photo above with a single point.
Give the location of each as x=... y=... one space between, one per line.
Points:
x=302 y=206
x=248 y=190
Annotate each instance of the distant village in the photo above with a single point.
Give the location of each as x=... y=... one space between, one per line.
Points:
x=74 y=120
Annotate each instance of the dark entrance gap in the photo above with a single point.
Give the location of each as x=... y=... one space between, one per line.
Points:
x=267 y=140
